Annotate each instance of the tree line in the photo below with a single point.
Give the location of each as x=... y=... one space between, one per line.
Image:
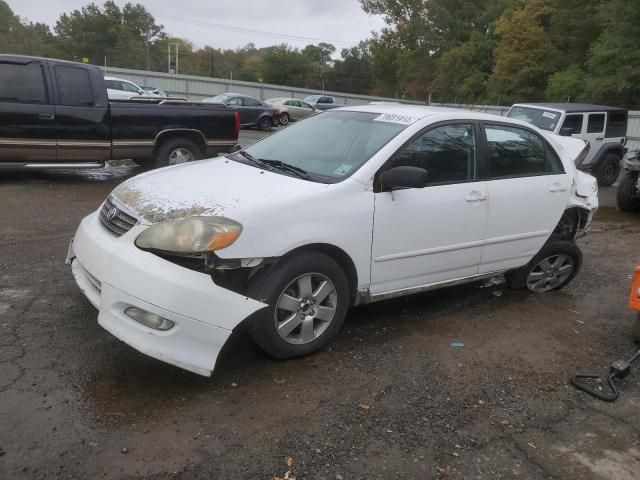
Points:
x=462 y=51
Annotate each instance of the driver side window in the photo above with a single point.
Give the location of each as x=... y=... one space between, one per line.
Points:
x=447 y=153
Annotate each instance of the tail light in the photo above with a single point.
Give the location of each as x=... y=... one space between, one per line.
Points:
x=236 y=116
x=634 y=295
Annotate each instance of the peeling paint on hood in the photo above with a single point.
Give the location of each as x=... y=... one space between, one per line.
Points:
x=217 y=186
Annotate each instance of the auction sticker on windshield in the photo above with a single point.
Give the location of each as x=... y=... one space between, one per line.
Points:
x=549 y=115
x=390 y=118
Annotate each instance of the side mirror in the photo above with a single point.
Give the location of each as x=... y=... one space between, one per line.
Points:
x=404 y=177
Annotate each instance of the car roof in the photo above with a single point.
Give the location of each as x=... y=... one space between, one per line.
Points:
x=572 y=107
x=415 y=111
x=107 y=77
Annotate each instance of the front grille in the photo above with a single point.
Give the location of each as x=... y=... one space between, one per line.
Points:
x=115 y=219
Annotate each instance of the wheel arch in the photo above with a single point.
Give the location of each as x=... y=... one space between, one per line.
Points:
x=196 y=136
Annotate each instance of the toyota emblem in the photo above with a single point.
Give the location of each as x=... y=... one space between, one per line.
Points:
x=111 y=214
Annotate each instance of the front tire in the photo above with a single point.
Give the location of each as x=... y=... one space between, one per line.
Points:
x=626 y=196
x=607 y=173
x=175 y=151
x=284 y=118
x=552 y=268
x=307 y=297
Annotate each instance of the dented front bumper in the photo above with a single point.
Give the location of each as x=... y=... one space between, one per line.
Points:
x=116 y=275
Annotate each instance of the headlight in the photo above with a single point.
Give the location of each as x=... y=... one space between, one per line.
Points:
x=190 y=235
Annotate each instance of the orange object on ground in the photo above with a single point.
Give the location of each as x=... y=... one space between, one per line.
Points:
x=634 y=294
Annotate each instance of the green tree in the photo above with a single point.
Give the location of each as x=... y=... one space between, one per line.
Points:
x=353 y=73
x=566 y=85
x=613 y=64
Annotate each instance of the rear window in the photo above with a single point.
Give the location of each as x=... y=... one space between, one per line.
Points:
x=616 y=125
x=595 y=123
x=22 y=83
x=74 y=86
x=541 y=118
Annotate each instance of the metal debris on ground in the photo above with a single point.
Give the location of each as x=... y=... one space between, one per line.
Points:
x=457 y=344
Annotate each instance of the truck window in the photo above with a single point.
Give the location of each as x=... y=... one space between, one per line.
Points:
x=616 y=125
x=22 y=83
x=572 y=125
x=596 y=123
x=74 y=86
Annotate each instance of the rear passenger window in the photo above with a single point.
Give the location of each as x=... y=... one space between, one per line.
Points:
x=572 y=125
x=515 y=152
x=74 y=86
x=22 y=83
x=617 y=125
x=447 y=153
x=596 y=123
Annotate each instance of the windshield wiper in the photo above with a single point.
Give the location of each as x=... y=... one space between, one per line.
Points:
x=285 y=166
x=275 y=164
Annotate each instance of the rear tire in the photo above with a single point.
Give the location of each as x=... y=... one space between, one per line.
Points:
x=175 y=151
x=626 y=196
x=607 y=173
x=265 y=124
x=553 y=267
x=307 y=297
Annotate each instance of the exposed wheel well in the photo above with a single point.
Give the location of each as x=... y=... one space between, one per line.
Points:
x=193 y=135
x=572 y=221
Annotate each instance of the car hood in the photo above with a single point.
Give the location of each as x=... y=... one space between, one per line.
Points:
x=218 y=186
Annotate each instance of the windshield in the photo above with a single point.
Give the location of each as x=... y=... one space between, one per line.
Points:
x=544 y=119
x=330 y=146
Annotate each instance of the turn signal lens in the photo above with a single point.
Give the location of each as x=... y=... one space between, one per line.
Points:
x=149 y=319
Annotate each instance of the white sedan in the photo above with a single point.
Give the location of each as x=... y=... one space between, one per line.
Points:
x=349 y=207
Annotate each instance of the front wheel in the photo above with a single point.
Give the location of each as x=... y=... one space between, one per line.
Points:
x=554 y=266
x=627 y=198
x=284 y=118
x=307 y=297
x=607 y=173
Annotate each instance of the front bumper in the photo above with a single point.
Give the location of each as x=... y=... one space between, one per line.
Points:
x=114 y=275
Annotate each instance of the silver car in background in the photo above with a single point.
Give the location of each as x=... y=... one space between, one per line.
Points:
x=292 y=109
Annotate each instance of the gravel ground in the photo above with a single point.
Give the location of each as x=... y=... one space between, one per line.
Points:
x=391 y=398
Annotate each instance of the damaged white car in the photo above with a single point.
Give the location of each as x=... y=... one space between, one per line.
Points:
x=352 y=206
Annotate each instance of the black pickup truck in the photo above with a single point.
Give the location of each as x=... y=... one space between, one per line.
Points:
x=55 y=113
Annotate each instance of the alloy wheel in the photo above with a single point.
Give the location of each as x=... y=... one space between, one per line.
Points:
x=550 y=273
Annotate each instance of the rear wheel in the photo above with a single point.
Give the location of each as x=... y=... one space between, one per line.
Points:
x=555 y=265
x=307 y=297
x=607 y=172
x=265 y=123
x=627 y=198
x=175 y=151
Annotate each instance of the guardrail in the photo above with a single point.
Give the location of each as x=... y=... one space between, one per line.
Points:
x=197 y=88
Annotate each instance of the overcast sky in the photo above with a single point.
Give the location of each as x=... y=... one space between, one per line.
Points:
x=296 y=22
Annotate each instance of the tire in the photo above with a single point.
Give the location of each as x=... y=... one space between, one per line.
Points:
x=538 y=278
x=265 y=123
x=282 y=329
x=607 y=172
x=626 y=193
x=284 y=118
x=176 y=150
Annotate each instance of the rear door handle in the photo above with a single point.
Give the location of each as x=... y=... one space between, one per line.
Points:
x=475 y=197
x=557 y=188
x=599 y=139
x=46 y=116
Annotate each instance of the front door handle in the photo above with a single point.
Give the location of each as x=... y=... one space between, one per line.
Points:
x=475 y=197
x=556 y=187
x=46 y=116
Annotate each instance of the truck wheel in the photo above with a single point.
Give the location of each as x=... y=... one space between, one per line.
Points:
x=307 y=297
x=607 y=172
x=554 y=266
x=627 y=198
x=265 y=123
x=175 y=151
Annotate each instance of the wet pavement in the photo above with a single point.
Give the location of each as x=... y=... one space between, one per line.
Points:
x=391 y=397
